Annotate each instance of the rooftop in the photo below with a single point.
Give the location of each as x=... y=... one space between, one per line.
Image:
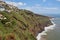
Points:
x=1 y=6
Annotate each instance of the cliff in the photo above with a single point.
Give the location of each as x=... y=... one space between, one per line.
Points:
x=20 y=24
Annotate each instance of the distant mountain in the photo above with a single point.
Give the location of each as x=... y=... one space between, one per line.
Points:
x=20 y=24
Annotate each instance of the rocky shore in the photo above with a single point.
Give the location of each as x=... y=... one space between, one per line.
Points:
x=43 y=34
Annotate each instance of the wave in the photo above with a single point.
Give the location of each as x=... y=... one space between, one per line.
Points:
x=51 y=27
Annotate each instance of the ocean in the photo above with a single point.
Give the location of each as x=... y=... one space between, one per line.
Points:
x=55 y=33
x=43 y=34
x=52 y=32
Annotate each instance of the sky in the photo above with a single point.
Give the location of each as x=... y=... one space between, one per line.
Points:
x=37 y=6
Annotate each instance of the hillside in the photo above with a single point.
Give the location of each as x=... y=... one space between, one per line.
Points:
x=20 y=24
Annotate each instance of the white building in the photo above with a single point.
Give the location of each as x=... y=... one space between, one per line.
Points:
x=2 y=17
x=2 y=8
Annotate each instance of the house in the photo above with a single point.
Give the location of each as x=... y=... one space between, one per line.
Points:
x=2 y=2
x=2 y=8
x=8 y=10
x=2 y=17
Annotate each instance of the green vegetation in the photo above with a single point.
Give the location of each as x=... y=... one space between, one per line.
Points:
x=21 y=24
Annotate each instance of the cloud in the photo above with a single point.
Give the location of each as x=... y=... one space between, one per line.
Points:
x=51 y=8
x=44 y=0
x=40 y=9
x=37 y=8
x=16 y=3
x=58 y=0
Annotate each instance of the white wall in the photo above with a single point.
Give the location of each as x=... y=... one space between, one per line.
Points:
x=2 y=9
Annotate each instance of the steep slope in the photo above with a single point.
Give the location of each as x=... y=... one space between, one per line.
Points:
x=20 y=24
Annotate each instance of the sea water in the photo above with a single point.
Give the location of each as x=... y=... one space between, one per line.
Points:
x=55 y=33
x=44 y=34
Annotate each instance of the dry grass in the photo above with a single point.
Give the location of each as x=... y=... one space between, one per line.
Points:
x=11 y=36
x=0 y=37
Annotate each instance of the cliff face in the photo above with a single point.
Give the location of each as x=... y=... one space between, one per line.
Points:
x=19 y=24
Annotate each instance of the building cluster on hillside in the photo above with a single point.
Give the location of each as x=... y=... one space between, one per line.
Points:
x=2 y=8
x=2 y=17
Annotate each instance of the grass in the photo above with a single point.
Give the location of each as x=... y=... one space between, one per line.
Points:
x=23 y=24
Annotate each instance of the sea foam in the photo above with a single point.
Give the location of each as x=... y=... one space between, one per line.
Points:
x=51 y=27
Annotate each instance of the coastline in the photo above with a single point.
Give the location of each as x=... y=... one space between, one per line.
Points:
x=43 y=33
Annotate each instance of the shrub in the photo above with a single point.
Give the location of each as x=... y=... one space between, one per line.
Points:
x=4 y=21
x=0 y=37
x=10 y=37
